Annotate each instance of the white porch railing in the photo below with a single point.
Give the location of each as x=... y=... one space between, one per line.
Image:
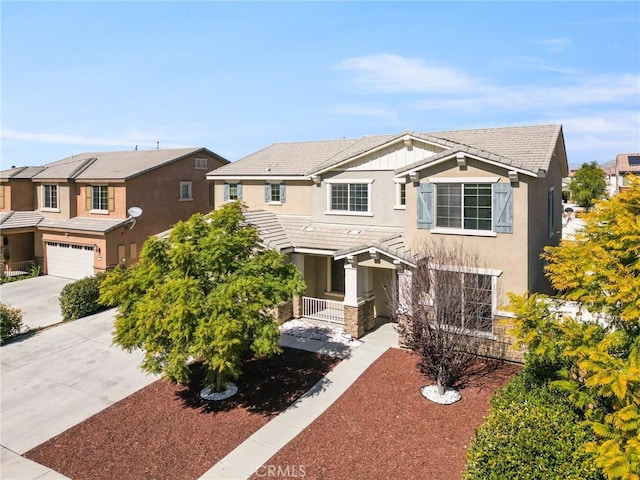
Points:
x=323 y=310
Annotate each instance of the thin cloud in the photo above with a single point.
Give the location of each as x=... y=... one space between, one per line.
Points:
x=140 y=140
x=555 y=44
x=388 y=73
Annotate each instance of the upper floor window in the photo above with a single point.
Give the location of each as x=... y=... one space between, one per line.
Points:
x=50 y=196
x=232 y=191
x=401 y=196
x=550 y=212
x=201 y=163
x=349 y=197
x=1 y=196
x=185 y=191
x=275 y=193
x=100 y=198
x=466 y=206
x=472 y=208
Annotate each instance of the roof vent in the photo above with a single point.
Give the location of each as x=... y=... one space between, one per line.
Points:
x=354 y=232
x=309 y=229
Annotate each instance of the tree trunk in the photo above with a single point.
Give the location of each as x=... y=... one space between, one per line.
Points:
x=441 y=388
x=219 y=382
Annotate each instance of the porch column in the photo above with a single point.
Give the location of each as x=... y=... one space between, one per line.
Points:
x=354 y=304
x=298 y=260
x=404 y=307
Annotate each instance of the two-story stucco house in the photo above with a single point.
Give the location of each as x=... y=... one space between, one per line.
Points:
x=73 y=214
x=350 y=213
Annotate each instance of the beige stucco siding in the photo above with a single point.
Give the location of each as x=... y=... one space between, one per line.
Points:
x=297 y=201
x=506 y=252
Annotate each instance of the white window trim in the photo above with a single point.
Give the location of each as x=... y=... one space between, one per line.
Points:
x=361 y=181
x=272 y=202
x=190 y=197
x=99 y=211
x=462 y=231
x=398 y=185
x=493 y=273
x=50 y=209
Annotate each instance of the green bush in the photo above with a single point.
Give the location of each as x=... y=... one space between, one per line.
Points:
x=10 y=321
x=80 y=298
x=531 y=433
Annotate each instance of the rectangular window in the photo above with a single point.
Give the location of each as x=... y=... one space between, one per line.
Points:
x=1 y=196
x=185 y=191
x=463 y=300
x=275 y=192
x=212 y=196
x=349 y=197
x=402 y=194
x=201 y=163
x=233 y=191
x=50 y=196
x=465 y=206
x=100 y=197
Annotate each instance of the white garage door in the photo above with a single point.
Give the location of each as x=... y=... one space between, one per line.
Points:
x=68 y=260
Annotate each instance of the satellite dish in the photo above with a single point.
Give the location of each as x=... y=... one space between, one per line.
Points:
x=135 y=212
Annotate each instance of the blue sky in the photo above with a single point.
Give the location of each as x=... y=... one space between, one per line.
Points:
x=236 y=77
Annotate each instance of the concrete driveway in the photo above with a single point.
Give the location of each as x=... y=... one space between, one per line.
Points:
x=37 y=298
x=56 y=378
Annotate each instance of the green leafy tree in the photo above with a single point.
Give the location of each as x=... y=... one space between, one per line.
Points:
x=588 y=185
x=204 y=293
x=598 y=361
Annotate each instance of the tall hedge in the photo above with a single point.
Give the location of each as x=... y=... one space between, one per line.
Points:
x=531 y=433
x=80 y=298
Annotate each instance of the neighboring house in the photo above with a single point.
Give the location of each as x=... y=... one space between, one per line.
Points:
x=350 y=214
x=72 y=215
x=618 y=171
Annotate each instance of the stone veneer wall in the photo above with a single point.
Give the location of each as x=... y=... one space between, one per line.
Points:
x=282 y=312
x=296 y=311
x=358 y=320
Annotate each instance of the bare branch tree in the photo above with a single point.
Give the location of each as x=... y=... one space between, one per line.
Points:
x=445 y=314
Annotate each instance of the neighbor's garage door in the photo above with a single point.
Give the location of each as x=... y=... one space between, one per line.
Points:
x=68 y=260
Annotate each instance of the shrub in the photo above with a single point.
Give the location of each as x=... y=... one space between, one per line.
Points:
x=530 y=433
x=10 y=321
x=80 y=298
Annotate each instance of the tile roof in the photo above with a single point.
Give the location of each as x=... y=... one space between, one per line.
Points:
x=526 y=147
x=112 y=165
x=20 y=219
x=282 y=232
x=83 y=224
x=622 y=161
x=20 y=173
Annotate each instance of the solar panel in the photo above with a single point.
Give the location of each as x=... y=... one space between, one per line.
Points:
x=634 y=160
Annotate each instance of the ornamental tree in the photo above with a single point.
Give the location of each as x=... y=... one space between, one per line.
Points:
x=598 y=361
x=588 y=185
x=204 y=293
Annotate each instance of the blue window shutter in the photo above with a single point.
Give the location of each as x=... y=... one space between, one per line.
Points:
x=283 y=193
x=267 y=192
x=225 y=192
x=239 y=191
x=502 y=208
x=425 y=205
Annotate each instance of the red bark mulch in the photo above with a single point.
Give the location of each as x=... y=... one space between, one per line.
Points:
x=383 y=428
x=165 y=431
x=380 y=428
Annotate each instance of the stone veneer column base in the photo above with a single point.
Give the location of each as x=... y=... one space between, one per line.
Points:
x=358 y=320
x=297 y=306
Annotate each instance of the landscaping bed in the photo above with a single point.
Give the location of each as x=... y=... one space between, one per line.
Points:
x=383 y=428
x=165 y=431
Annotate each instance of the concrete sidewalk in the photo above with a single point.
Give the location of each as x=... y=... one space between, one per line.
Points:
x=255 y=451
